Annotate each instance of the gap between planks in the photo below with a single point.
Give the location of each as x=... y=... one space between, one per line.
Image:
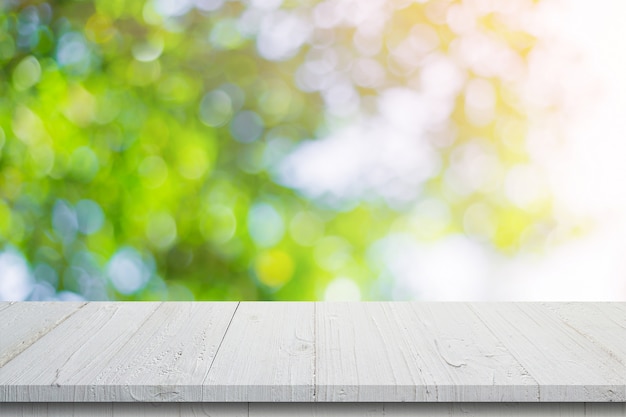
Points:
x=14 y=343
x=440 y=332
x=217 y=352
x=312 y=409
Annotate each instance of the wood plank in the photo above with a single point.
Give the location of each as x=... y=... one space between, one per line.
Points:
x=413 y=352
x=267 y=355
x=22 y=324
x=93 y=335
x=123 y=410
x=122 y=352
x=486 y=409
x=312 y=409
x=605 y=409
x=439 y=409
x=56 y=410
x=308 y=352
x=316 y=409
x=168 y=358
x=6 y=304
x=604 y=324
x=180 y=409
x=567 y=365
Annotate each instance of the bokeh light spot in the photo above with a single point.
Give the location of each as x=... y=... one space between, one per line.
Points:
x=161 y=230
x=430 y=219
x=219 y=225
x=265 y=225
x=42 y=157
x=73 y=52
x=16 y=282
x=216 y=108
x=342 y=289
x=90 y=216
x=127 y=272
x=525 y=187
x=153 y=171
x=510 y=225
x=281 y=35
x=225 y=35
x=478 y=222
x=274 y=267
x=27 y=73
x=246 y=126
x=332 y=253
x=266 y=4
x=172 y=8
x=7 y=47
x=193 y=161
x=275 y=102
x=480 y=102
x=27 y=126
x=209 y=5
x=81 y=106
x=368 y=73
x=84 y=164
x=143 y=73
x=45 y=273
x=64 y=220
x=148 y=50
x=306 y=228
x=99 y=29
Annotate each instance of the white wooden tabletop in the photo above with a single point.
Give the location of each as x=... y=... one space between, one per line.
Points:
x=312 y=352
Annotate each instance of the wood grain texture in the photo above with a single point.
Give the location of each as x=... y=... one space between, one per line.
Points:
x=605 y=409
x=175 y=346
x=267 y=355
x=496 y=410
x=312 y=409
x=439 y=410
x=313 y=352
x=316 y=410
x=5 y=304
x=604 y=324
x=566 y=365
x=56 y=410
x=121 y=352
x=123 y=410
x=413 y=352
x=180 y=410
x=22 y=324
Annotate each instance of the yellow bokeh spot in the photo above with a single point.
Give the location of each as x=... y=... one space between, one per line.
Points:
x=28 y=126
x=99 y=28
x=274 y=267
x=193 y=161
x=80 y=107
x=511 y=224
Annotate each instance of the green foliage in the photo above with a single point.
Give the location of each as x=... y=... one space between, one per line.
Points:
x=137 y=153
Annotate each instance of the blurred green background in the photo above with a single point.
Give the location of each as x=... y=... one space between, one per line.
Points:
x=260 y=149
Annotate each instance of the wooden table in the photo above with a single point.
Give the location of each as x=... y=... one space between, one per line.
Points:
x=305 y=359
